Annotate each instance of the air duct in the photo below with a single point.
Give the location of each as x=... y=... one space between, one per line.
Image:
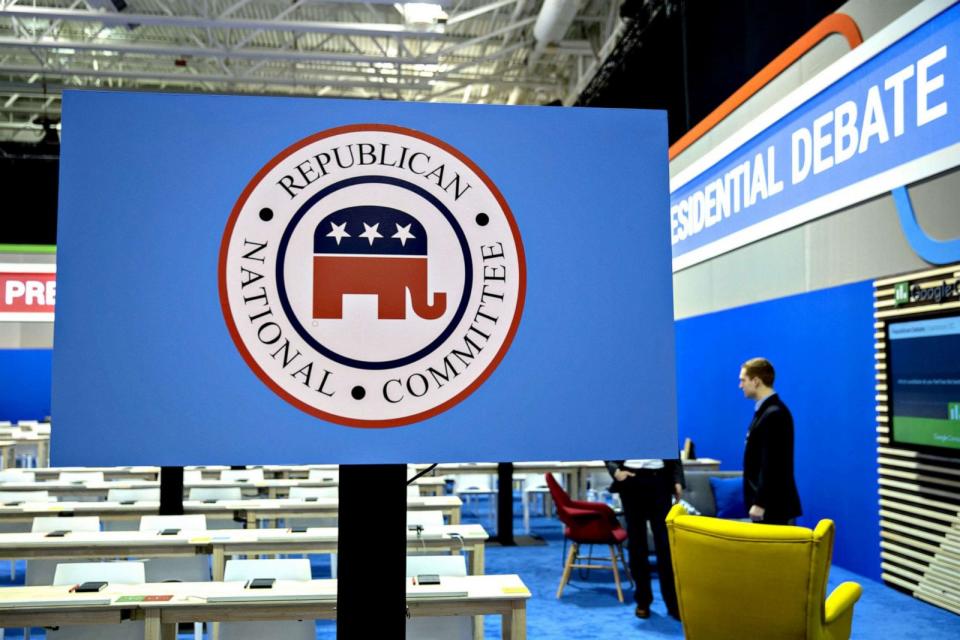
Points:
x=554 y=20
x=552 y=23
x=108 y=5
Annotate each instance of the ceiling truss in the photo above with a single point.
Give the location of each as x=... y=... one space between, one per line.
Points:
x=481 y=51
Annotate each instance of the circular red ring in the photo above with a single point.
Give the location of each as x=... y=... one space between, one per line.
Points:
x=353 y=422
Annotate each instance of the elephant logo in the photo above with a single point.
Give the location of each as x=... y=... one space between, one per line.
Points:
x=372 y=250
x=372 y=276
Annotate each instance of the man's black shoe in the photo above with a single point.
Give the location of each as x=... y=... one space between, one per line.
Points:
x=642 y=612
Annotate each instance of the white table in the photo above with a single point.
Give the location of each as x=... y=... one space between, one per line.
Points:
x=249 y=511
x=503 y=595
x=223 y=543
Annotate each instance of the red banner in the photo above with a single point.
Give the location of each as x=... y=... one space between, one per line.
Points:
x=27 y=292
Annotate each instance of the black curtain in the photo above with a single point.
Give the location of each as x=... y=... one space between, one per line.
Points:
x=691 y=55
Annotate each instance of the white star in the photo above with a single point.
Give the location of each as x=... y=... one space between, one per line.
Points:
x=339 y=232
x=370 y=233
x=403 y=234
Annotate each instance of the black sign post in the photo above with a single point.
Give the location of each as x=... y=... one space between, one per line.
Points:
x=372 y=552
x=505 y=504
x=171 y=491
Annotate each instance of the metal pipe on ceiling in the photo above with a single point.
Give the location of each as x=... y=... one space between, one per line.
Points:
x=552 y=24
x=554 y=20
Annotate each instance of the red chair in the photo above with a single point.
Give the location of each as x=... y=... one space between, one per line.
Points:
x=588 y=523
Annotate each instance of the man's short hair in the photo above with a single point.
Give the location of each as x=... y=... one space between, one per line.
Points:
x=759 y=368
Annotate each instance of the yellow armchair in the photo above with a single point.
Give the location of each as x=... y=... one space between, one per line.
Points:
x=742 y=580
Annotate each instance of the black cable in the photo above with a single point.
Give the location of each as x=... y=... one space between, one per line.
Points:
x=422 y=473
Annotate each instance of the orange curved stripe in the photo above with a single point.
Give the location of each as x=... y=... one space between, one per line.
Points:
x=835 y=23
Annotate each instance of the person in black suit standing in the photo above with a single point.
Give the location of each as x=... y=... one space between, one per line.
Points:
x=769 y=489
x=647 y=489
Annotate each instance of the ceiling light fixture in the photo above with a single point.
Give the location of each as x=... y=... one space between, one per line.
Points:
x=422 y=15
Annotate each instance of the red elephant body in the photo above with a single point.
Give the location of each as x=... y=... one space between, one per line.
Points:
x=388 y=278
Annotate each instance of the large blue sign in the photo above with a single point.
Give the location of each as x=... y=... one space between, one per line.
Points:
x=891 y=120
x=254 y=280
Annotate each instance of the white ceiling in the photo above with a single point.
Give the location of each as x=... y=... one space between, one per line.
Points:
x=484 y=52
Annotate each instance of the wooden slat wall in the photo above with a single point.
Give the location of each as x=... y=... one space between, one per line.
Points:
x=919 y=492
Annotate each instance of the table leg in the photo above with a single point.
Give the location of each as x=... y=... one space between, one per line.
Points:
x=152 y=628
x=515 y=623
x=578 y=479
x=219 y=562
x=477 y=560
x=252 y=523
x=455 y=516
x=9 y=457
x=43 y=453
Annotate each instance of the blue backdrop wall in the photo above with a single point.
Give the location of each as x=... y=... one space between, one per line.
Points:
x=25 y=384
x=821 y=345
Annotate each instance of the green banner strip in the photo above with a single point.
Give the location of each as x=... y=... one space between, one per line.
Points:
x=28 y=248
x=927 y=431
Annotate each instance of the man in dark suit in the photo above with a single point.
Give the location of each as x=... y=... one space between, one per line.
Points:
x=769 y=488
x=647 y=489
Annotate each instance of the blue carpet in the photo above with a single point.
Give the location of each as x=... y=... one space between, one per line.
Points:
x=589 y=608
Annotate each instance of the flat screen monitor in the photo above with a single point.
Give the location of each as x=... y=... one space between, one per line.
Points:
x=923 y=382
